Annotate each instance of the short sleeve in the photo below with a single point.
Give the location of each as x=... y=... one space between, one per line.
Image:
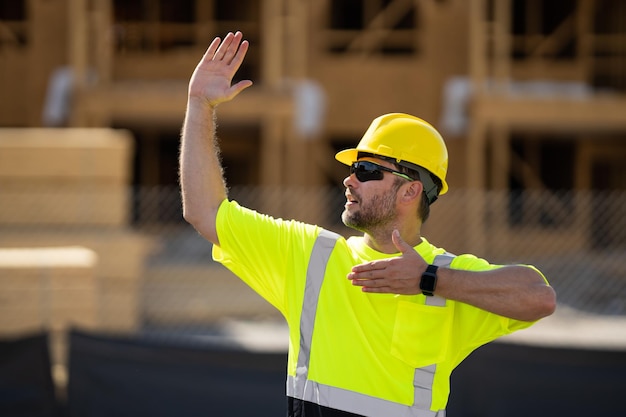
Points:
x=261 y=250
x=474 y=327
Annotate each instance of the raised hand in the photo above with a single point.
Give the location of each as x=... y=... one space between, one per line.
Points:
x=398 y=275
x=211 y=80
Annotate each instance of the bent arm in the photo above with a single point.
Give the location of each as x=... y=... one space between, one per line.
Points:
x=201 y=175
x=517 y=292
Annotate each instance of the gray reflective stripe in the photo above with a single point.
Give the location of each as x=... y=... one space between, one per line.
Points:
x=302 y=388
x=423 y=385
x=357 y=403
x=314 y=277
x=444 y=260
x=424 y=377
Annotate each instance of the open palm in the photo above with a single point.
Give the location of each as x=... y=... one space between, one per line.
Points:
x=211 y=80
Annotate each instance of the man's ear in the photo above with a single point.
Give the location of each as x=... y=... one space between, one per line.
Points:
x=413 y=190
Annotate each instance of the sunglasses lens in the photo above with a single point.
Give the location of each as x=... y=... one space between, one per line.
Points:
x=366 y=171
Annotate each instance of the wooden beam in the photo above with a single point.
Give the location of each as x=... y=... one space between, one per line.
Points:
x=273 y=59
x=553 y=114
x=556 y=40
x=500 y=158
x=298 y=152
x=502 y=45
x=77 y=10
x=101 y=36
x=164 y=104
x=205 y=27
x=380 y=26
x=477 y=44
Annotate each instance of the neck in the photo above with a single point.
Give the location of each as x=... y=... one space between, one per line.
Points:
x=382 y=241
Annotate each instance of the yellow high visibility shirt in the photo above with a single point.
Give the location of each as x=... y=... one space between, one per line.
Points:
x=365 y=343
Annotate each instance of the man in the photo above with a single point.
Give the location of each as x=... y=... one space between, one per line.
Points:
x=376 y=323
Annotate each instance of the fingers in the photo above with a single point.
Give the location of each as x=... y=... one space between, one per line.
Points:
x=381 y=287
x=224 y=47
x=231 y=50
x=380 y=290
x=240 y=54
x=370 y=266
x=371 y=283
x=227 y=49
x=210 y=52
x=236 y=49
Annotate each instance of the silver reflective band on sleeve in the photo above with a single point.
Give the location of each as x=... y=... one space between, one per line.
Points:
x=444 y=260
x=299 y=386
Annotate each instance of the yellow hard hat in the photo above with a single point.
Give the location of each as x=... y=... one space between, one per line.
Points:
x=408 y=140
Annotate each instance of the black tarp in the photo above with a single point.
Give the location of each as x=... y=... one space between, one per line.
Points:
x=132 y=377
x=508 y=380
x=113 y=376
x=26 y=387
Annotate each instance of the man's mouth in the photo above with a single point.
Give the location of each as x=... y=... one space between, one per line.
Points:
x=350 y=200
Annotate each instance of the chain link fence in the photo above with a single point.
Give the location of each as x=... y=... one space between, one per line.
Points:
x=155 y=273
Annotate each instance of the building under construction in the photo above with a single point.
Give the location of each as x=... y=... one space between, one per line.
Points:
x=530 y=96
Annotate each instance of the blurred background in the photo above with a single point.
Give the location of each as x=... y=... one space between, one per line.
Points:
x=98 y=271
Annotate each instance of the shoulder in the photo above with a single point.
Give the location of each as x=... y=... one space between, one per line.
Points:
x=251 y=226
x=466 y=261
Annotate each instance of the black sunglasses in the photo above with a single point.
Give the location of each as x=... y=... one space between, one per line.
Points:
x=368 y=171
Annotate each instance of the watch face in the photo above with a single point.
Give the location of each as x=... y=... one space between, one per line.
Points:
x=428 y=282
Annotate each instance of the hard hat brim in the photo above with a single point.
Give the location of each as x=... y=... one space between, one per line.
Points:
x=347 y=156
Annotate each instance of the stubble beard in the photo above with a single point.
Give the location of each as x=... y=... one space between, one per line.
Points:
x=378 y=212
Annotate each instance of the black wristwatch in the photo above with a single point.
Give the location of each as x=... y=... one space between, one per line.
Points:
x=429 y=280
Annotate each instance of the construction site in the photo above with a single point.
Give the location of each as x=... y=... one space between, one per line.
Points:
x=529 y=95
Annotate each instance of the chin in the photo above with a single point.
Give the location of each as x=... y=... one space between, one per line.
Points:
x=347 y=219
x=349 y=222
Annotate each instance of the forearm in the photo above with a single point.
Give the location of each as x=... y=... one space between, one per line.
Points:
x=201 y=175
x=518 y=292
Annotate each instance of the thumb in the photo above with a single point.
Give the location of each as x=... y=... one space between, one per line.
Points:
x=238 y=88
x=400 y=244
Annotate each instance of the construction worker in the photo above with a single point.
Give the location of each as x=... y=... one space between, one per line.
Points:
x=376 y=323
